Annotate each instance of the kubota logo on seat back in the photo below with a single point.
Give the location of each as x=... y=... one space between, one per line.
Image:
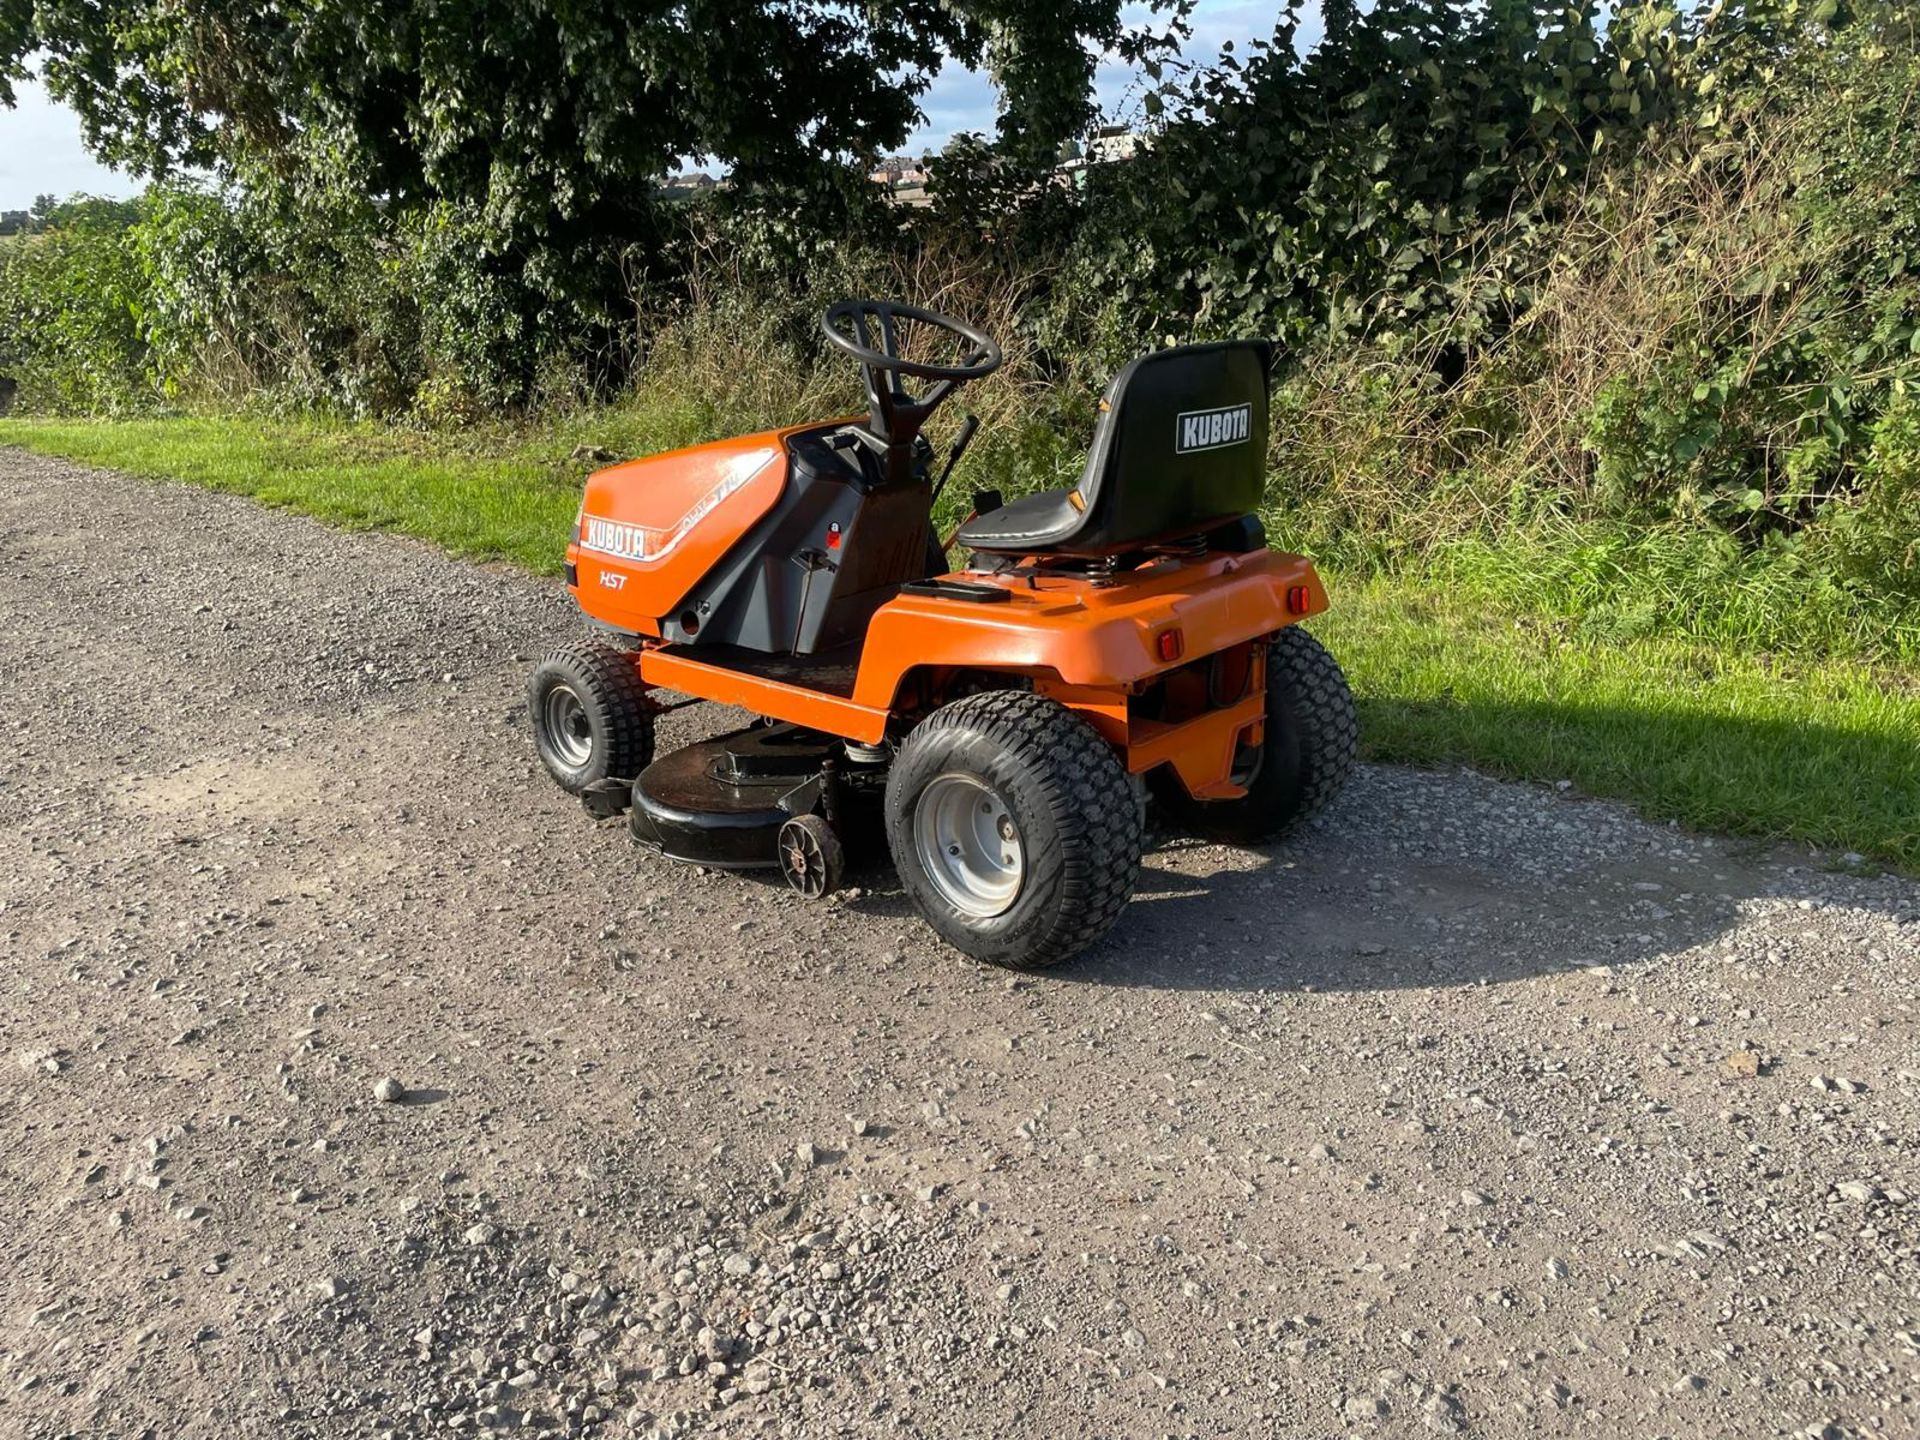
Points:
x=1212 y=429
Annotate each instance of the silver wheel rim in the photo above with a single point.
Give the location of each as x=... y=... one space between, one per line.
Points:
x=969 y=845
x=569 y=733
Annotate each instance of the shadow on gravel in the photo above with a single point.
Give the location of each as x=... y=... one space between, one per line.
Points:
x=1239 y=930
x=1302 y=915
x=1289 y=927
x=1246 y=929
x=1278 y=927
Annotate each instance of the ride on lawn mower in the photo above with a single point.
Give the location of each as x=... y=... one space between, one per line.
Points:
x=1004 y=722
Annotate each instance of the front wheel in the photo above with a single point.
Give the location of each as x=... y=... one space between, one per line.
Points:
x=1014 y=828
x=1312 y=736
x=589 y=715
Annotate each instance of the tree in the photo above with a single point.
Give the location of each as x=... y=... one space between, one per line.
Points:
x=546 y=124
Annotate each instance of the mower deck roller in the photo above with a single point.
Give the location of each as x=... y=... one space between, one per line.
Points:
x=999 y=723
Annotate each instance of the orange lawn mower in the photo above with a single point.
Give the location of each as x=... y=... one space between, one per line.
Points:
x=1003 y=722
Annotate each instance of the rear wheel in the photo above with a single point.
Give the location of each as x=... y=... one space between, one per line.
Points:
x=1312 y=737
x=1014 y=828
x=590 y=716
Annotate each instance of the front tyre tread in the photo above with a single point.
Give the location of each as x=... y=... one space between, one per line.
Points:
x=621 y=719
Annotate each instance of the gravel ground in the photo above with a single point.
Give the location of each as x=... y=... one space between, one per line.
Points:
x=1474 y=1109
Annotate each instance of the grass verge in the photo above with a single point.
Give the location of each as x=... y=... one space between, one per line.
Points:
x=1826 y=751
x=1820 y=750
x=488 y=494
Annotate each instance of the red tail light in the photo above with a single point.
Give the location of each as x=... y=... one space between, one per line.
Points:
x=1169 y=644
x=1299 y=598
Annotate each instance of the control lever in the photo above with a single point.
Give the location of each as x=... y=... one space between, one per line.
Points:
x=960 y=442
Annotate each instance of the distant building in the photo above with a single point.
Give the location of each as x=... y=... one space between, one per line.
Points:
x=1109 y=145
x=1114 y=142
x=687 y=185
x=897 y=169
x=903 y=178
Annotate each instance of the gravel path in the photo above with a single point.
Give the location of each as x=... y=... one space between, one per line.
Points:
x=1474 y=1109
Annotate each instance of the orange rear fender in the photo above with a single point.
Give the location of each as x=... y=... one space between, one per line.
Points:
x=1088 y=636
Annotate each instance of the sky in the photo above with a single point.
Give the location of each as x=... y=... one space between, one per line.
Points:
x=41 y=153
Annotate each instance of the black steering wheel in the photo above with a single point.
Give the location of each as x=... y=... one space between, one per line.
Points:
x=866 y=318
x=896 y=415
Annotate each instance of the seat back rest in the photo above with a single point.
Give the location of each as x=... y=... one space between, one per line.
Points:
x=1181 y=446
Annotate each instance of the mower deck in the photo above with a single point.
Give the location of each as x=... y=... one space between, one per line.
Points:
x=721 y=802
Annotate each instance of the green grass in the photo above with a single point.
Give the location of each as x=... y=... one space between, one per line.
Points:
x=485 y=493
x=1711 y=734
x=1826 y=751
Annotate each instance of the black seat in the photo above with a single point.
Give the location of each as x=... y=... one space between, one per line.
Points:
x=1181 y=447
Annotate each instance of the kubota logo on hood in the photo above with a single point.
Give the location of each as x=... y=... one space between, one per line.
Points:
x=1212 y=429
x=647 y=542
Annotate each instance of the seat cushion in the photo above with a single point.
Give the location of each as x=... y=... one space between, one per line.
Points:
x=1033 y=521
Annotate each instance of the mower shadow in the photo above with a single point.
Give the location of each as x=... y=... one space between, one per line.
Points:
x=1271 y=923
x=1276 y=922
x=1378 y=896
x=1300 y=914
x=1339 y=908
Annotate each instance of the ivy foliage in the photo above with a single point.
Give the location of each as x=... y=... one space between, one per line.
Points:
x=1365 y=186
x=72 y=304
x=1534 y=265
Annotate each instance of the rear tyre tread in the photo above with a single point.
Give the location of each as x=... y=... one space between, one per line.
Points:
x=1312 y=742
x=1092 y=800
x=1330 y=728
